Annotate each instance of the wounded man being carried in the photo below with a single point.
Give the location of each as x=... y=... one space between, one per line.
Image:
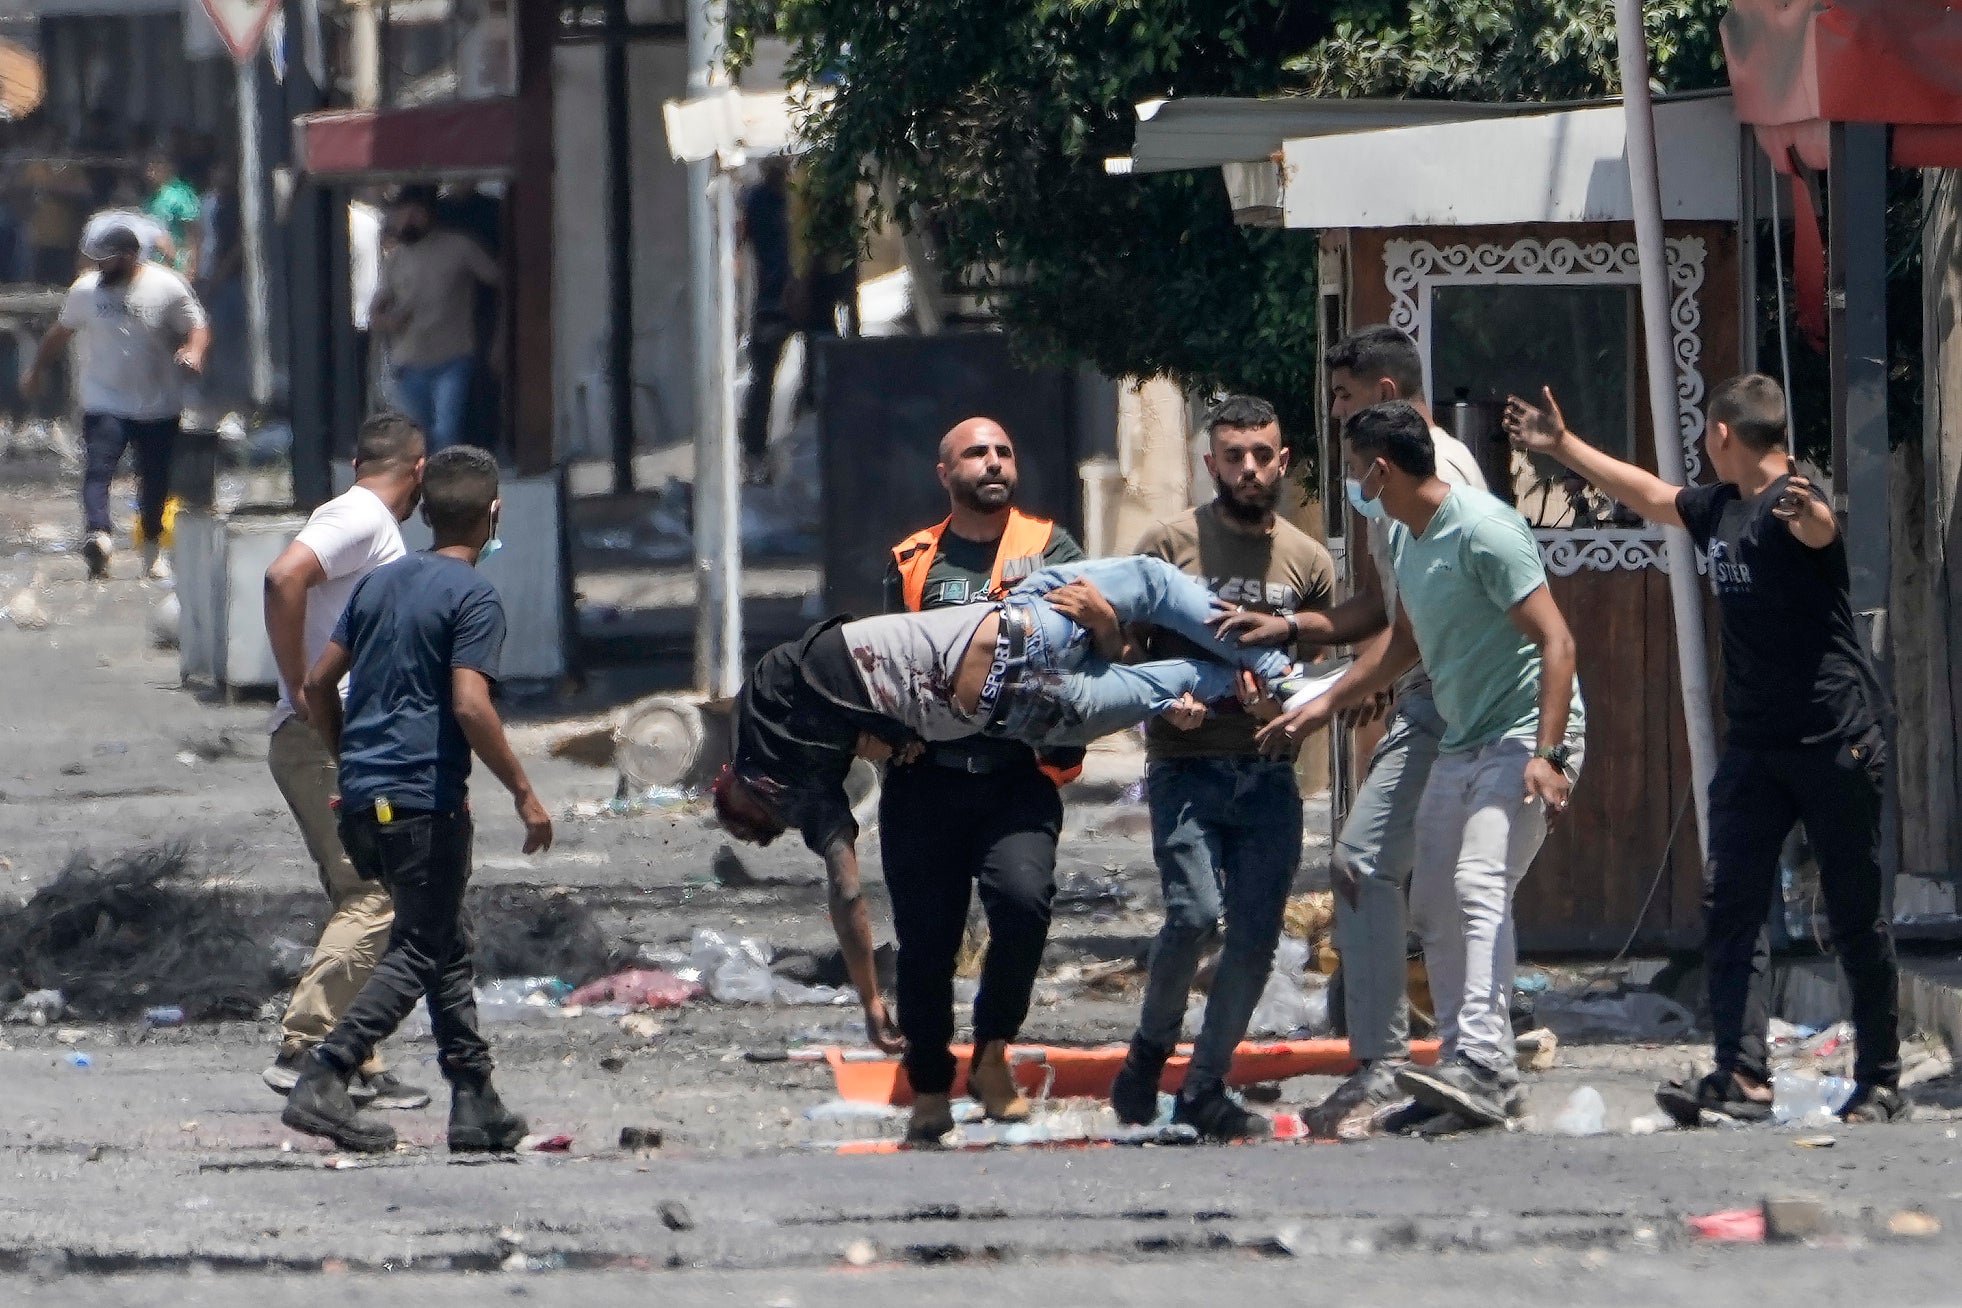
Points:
x=1037 y=666
x=1033 y=667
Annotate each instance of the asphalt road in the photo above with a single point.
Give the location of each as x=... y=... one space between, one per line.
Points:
x=160 y=1174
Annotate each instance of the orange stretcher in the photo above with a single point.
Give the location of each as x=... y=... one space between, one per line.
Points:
x=868 y=1077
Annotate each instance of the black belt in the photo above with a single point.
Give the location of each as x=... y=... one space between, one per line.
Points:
x=955 y=759
x=1011 y=654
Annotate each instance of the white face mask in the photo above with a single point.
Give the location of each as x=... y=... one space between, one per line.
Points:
x=1372 y=509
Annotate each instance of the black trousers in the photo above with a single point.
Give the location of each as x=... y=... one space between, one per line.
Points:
x=940 y=831
x=424 y=860
x=1755 y=797
x=769 y=334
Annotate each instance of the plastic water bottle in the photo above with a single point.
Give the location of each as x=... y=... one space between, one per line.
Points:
x=78 y=1060
x=1807 y=1100
x=168 y=1015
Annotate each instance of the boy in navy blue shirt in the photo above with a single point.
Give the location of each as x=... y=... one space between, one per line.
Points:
x=419 y=644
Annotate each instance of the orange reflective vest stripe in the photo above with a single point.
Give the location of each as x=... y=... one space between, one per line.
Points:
x=1025 y=537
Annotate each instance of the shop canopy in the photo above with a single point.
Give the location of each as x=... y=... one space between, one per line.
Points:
x=1798 y=65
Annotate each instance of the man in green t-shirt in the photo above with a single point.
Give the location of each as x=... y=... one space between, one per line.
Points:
x=175 y=206
x=1474 y=603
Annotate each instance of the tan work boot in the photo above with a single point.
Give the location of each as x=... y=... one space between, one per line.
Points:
x=990 y=1082
x=933 y=1117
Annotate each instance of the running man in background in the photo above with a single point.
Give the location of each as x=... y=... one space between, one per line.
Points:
x=141 y=330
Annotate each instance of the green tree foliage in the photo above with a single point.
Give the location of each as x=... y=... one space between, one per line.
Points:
x=988 y=125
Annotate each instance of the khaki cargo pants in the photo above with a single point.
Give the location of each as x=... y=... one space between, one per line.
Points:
x=355 y=935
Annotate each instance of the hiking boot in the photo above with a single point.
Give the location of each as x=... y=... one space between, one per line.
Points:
x=1216 y=1115
x=991 y=1082
x=1687 y=1098
x=319 y=1104
x=1351 y=1108
x=479 y=1121
x=1461 y=1087
x=388 y=1091
x=95 y=553
x=1134 y=1094
x=933 y=1118
x=1875 y=1103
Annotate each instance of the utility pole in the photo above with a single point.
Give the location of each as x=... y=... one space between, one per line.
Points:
x=711 y=264
x=620 y=245
x=1686 y=595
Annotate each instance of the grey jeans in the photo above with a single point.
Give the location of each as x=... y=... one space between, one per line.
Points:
x=1477 y=834
x=1377 y=847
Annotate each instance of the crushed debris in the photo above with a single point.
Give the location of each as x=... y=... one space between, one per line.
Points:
x=119 y=937
x=538 y=931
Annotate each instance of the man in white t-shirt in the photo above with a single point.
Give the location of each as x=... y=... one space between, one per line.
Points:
x=141 y=329
x=307 y=587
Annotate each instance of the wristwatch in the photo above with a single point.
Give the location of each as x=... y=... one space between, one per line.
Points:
x=1294 y=628
x=1558 y=755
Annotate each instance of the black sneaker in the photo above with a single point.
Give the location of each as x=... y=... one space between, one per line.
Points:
x=1134 y=1094
x=291 y=1064
x=319 y=1105
x=390 y=1092
x=479 y=1121
x=1461 y=1087
x=1688 y=1098
x=1216 y=1115
x=1876 y=1103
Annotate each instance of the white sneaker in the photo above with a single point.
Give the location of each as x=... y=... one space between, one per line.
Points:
x=1300 y=687
x=159 y=569
x=95 y=552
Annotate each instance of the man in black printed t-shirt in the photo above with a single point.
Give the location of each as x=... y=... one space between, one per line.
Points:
x=1805 y=738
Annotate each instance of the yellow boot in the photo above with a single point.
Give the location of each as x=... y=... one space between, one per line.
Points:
x=991 y=1083
x=933 y=1117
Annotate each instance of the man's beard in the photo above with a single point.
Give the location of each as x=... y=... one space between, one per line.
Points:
x=985 y=497
x=1238 y=508
x=117 y=274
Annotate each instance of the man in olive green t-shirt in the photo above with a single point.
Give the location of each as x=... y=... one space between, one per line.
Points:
x=1225 y=822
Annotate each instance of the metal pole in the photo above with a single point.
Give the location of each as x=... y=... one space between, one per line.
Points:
x=252 y=234
x=726 y=572
x=620 y=247
x=1686 y=597
x=1856 y=208
x=705 y=25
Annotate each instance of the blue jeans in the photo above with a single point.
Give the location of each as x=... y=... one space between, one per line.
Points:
x=1067 y=695
x=104 y=438
x=436 y=396
x=1227 y=836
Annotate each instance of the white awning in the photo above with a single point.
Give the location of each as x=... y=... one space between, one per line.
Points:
x=1569 y=166
x=1208 y=131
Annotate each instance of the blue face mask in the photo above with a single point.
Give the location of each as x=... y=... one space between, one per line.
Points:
x=1372 y=509
x=491 y=546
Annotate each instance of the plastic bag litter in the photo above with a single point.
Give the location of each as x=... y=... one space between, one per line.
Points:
x=496 y=998
x=738 y=972
x=1636 y=1015
x=637 y=987
x=37 y=1009
x=1289 y=1002
x=1805 y=1099
x=26 y=610
x=1586 y=1113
